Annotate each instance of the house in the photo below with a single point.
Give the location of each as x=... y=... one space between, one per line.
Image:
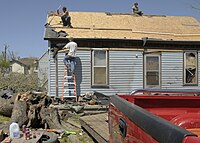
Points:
x=24 y=65
x=43 y=69
x=120 y=52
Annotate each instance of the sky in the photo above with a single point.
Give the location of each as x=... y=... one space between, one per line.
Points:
x=22 y=21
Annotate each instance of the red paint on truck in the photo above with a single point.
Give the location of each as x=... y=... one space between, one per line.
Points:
x=150 y=116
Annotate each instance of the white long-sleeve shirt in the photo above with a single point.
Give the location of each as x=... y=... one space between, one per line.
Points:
x=72 y=46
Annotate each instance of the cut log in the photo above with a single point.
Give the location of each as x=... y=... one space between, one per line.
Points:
x=34 y=110
x=19 y=113
x=6 y=106
x=50 y=116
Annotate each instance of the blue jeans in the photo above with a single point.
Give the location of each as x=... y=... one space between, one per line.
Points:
x=69 y=61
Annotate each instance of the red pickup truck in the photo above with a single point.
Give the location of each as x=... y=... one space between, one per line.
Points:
x=155 y=116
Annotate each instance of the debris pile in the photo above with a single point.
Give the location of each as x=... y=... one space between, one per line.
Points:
x=94 y=98
x=6 y=94
x=36 y=110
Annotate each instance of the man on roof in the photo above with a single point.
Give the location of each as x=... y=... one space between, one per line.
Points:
x=66 y=19
x=135 y=9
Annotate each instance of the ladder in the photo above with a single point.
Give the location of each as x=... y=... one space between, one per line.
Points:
x=69 y=84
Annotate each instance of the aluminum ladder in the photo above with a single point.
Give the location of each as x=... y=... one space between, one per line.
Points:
x=69 y=84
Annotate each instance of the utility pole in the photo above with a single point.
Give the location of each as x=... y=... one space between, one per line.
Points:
x=5 y=52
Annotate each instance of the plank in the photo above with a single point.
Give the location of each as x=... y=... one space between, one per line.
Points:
x=96 y=126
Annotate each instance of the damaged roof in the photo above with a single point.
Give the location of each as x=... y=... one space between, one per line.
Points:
x=28 y=61
x=102 y=25
x=25 y=61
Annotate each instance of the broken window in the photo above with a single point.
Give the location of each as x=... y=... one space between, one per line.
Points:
x=190 y=68
x=99 y=68
x=152 y=71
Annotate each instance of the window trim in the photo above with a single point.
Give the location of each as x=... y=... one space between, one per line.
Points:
x=106 y=85
x=184 y=67
x=145 y=70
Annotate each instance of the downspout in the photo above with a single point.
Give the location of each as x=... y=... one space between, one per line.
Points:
x=56 y=60
x=144 y=75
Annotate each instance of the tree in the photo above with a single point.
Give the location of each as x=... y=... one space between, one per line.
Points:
x=5 y=59
x=4 y=63
x=196 y=6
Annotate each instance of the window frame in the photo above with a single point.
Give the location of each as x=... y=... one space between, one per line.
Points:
x=184 y=68
x=106 y=85
x=145 y=70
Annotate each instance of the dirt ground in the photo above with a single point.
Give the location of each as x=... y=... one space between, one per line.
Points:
x=77 y=135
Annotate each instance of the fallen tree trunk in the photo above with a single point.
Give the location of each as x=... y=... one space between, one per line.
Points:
x=6 y=106
x=19 y=113
x=33 y=110
x=51 y=117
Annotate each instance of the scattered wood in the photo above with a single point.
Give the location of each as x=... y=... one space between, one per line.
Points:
x=96 y=126
x=73 y=123
x=37 y=110
x=50 y=118
x=86 y=113
x=96 y=107
x=33 y=110
x=1 y=135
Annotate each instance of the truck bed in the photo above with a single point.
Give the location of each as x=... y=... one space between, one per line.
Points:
x=150 y=119
x=167 y=107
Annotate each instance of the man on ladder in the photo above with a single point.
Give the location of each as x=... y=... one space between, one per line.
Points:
x=69 y=82
x=69 y=59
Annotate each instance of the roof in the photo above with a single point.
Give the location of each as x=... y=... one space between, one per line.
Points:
x=28 y=61
x=18 y=62
x=25 y=61
x=101 y=25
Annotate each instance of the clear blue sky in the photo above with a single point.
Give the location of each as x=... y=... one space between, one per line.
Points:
x=22 y=21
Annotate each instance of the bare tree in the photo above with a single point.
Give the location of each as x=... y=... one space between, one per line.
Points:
x=4 y=63
x=5 y=59
x=196 y=6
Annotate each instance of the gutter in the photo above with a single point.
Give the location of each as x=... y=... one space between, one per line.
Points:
x=153 y=40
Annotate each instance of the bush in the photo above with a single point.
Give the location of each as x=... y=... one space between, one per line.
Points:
x=19 y=82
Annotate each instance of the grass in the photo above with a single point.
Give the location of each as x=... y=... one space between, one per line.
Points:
x=4 y=119
x=82 y=138
x=85 y=139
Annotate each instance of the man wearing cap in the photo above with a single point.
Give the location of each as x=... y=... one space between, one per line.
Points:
x=135 y=9
x=71 y=55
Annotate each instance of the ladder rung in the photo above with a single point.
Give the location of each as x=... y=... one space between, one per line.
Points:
x=69 y=90
x=68 y=77
x=69 y=96
x=68 y=83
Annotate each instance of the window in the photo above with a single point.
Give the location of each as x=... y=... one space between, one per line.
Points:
x=99 y=68
x=152 y=71
x=190 y=68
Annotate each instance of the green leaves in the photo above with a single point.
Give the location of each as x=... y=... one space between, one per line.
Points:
x=4 y=63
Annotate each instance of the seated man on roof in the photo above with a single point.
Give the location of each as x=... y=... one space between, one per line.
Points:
x=66 y=19
x=135 y=9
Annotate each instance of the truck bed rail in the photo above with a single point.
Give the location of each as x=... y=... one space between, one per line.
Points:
x=150 y=123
